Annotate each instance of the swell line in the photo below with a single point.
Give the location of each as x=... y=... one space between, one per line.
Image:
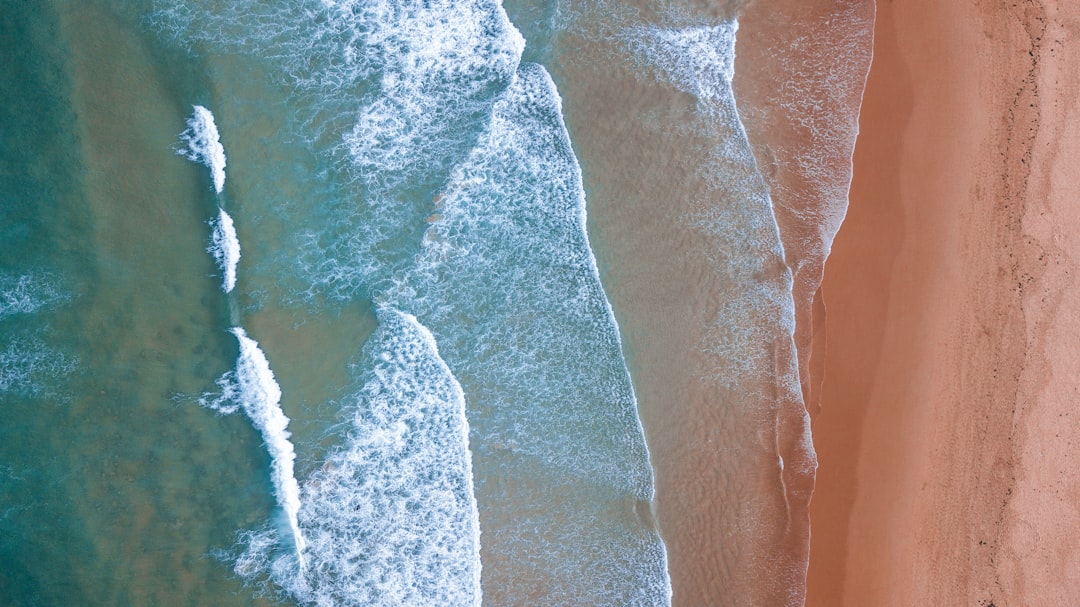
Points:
x=252 y=385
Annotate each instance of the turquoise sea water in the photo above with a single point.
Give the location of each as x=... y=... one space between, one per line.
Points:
x=360 y=353
x=389 y=165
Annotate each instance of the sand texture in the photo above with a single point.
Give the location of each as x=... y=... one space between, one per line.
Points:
x=948 y=430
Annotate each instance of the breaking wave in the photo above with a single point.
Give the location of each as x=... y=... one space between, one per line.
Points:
x=225 y=247
x=390 y=518
x=204 y=145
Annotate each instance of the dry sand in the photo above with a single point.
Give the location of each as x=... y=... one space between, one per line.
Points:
x=948 y=434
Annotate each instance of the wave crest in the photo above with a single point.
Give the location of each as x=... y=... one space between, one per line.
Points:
x=204 y=144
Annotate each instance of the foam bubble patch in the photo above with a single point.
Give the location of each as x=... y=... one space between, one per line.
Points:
x=392 y=95
x=736 y=215
x=28 y=293
x=27 y=364
x=507 y=282
x=697 y=60
x=390 y=518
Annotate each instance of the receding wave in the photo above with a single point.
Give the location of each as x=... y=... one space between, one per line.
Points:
x=390 y=517
x=747 y=250
x=225 y=247
x=204 y=144
x=741 y=377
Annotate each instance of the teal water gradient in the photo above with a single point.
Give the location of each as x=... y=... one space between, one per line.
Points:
x=441 y=185
x=114 y=491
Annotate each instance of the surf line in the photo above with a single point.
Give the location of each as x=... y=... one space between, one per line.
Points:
x=202 y=144
x=252 y=385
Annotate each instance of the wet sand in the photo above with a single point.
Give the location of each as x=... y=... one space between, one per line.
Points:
x=947 y=432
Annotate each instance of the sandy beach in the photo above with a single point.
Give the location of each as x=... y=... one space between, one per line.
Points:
x=541 y=303
x=947 y=436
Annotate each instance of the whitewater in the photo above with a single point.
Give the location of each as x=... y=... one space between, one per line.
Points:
x=225 y=248
x=203 y=145
x=390 y=516
x=401 y=488
x=252 y=386
x=458 y=212
x=486 y=247
x=27 y=361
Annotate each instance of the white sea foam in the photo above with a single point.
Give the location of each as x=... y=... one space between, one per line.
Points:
x=441 y=51
x=440 y=65
x=390 y=518
x=824 y=66
x=204 y=144
x=226 y=401
x=225 y=247
x=513 y=218
x=697 y=60
x=27 y=364
x=393 y=92
x=424 y=109
x=258 y=393
x=535 y=345
x=737 y=215
x=27 y=293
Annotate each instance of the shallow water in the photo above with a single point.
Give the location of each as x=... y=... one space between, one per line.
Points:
x=715 y=140
x=113 y=487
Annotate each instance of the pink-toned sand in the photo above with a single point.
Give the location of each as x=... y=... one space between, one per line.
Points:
x=949 y=431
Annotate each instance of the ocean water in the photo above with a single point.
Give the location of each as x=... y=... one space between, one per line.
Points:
x=300 y=303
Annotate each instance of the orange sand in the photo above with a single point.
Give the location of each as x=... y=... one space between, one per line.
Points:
x=948 y=435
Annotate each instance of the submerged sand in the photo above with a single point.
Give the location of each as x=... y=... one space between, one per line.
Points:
x=734 y=470
x=947 y=434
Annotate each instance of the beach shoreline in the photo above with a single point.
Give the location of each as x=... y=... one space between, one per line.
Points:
x=945 y=433
x=728 y=440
